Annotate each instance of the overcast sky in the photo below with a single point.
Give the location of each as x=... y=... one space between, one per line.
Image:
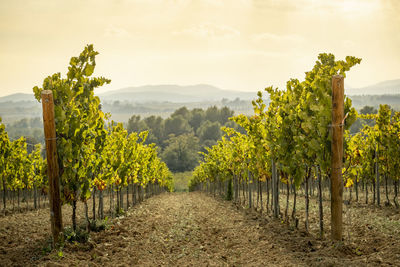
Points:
x=233 y=44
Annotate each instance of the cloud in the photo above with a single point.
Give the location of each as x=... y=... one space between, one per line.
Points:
x=270 y=37
x=353 y=7
x=209 y=30
x=116 y=32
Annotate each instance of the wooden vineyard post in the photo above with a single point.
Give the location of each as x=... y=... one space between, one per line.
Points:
x=337 y=157
x=52 y=165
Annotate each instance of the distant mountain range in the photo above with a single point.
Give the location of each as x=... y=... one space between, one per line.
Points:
x=383 y=88
x=158 y=93
x=17 y=98
x=174 y=93
x=199 y=93
x=123 y=103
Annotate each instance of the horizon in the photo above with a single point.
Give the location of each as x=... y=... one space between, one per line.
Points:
x=222 y=89
x=243 y=45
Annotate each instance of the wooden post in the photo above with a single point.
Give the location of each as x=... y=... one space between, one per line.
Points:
x=337 y=157
x=52 y=166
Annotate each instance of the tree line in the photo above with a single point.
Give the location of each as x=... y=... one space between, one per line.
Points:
x=184 y=133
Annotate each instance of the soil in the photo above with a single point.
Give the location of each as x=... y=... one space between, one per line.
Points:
x=194 y=229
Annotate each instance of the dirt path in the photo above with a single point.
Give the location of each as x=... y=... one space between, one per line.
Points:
x=181 y=229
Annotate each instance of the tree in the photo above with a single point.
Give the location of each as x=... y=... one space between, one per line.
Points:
x=360 y=122
x=176 y=125
x=181 y=153
x=155 y=127
x=368 y=110
x=212 y=114
x=209 y=131
x=135 y=124
x=225 y=114
x=183 y=111
x=196 y=118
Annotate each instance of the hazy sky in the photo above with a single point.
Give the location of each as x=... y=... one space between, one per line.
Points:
x=233 y=44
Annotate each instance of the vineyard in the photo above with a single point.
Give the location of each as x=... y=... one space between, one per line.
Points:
x=289 y=145
x=295 y=165
x=95 y=157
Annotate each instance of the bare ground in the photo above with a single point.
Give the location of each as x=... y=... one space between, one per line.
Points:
x=189 y=229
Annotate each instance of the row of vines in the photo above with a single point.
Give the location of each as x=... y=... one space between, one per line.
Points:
x=287 y=148
x=21 y=173
x=94 y=154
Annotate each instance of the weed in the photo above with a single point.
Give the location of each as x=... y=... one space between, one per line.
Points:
x=99 y=225
x=80 y=235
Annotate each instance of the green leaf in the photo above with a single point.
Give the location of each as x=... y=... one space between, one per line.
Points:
x=89 y=69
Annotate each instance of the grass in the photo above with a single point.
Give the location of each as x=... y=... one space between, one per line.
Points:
x=181 y=180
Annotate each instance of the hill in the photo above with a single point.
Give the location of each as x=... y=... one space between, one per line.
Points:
x=383 y=88
x=360 y=101
x=164 y=99
x=18 y=97
x=174 y=93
